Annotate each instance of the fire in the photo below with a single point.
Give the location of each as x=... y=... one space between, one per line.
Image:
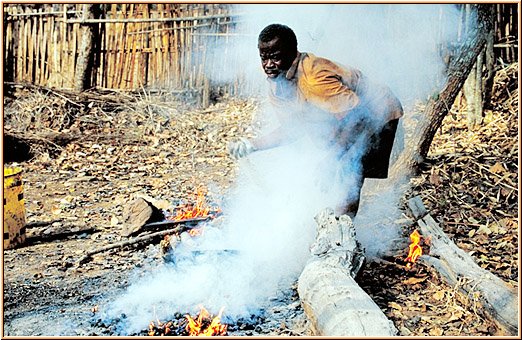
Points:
x=205 y=325
x=415 y=249
x=195 y=232
x=189 y=211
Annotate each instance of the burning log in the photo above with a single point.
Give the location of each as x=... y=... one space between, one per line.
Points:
x=332 y=300
x=141 y=214
x=498 y=298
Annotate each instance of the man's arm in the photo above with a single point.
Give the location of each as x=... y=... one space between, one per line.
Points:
x=275 y=138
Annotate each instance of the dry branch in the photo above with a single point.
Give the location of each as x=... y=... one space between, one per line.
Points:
x=48 y=234
x=331 y=298
x=498 y=298
x=134 y=241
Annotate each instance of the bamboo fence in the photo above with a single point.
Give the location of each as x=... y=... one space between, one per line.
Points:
x=156 y=47
x=159 y=47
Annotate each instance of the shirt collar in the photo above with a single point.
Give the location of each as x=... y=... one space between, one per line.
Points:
x=293 y=69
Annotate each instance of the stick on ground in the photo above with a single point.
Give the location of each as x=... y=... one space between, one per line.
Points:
x=137 y=240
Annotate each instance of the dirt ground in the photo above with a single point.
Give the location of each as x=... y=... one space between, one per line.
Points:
x=165 y=151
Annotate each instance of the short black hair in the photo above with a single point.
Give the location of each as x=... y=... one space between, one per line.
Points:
x=282 y=32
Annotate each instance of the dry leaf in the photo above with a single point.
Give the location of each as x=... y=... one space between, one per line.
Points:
x=435 y=179
x=114 y=221
x=484 y=230
x=414 y=280
x=497 y=168
x=437 y=331
x=395 y=305
x=455 y=316
x=438 y=295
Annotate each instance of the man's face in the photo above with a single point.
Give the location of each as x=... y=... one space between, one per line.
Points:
x=276 y=58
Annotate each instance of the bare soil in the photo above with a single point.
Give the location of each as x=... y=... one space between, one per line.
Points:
x=165 y=151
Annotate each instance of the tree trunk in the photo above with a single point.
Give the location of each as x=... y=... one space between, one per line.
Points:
x=498 y=298
x=438 y=106
x=473 y=93
x=85 y=59
x=332 y=300
x=490 y=62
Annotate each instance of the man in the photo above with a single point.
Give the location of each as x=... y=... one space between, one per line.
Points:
x=357 y=117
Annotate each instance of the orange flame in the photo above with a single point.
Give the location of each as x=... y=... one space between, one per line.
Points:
x=415 y=249
x=195 y=232
x=188 y=211
x=197 y=327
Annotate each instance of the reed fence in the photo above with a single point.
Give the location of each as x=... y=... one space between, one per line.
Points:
x=159 y=47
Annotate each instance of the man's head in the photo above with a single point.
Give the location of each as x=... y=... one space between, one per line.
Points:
x=277 y=48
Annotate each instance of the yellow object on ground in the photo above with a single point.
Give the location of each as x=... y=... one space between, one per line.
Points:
x=14 y=208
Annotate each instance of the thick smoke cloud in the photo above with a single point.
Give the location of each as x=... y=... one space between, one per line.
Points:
x=240 y=264
x=263 y=242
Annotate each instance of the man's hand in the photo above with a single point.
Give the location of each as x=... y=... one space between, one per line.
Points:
x=240 y=148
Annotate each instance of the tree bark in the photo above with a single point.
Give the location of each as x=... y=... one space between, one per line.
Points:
x=490 y=62
x=332 y=300
x=85 y=59
x=498 y=298
x=438 y=106
x=473 y=93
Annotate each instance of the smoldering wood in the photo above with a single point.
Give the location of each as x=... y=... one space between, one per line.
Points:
x=331 y=298
x=458 y=268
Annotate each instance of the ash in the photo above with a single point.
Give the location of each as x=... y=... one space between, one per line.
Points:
x=284 y=317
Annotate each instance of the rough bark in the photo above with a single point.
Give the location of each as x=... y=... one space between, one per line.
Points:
x=85 y=59
x=331 y=298
x=499 y=299
x=439 y=105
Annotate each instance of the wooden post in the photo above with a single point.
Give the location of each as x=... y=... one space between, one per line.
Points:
x=85 y=59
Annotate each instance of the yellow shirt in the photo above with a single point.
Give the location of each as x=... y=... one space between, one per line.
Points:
x=333 y=89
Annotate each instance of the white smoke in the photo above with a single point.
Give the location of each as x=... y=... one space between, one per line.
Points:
x=263 y=242
x=268 y=227
x=397 y=45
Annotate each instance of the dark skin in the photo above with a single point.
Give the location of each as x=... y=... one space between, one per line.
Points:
x=276 y=58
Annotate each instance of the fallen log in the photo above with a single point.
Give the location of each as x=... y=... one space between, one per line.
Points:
x=499 y=299
x=331 y=298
